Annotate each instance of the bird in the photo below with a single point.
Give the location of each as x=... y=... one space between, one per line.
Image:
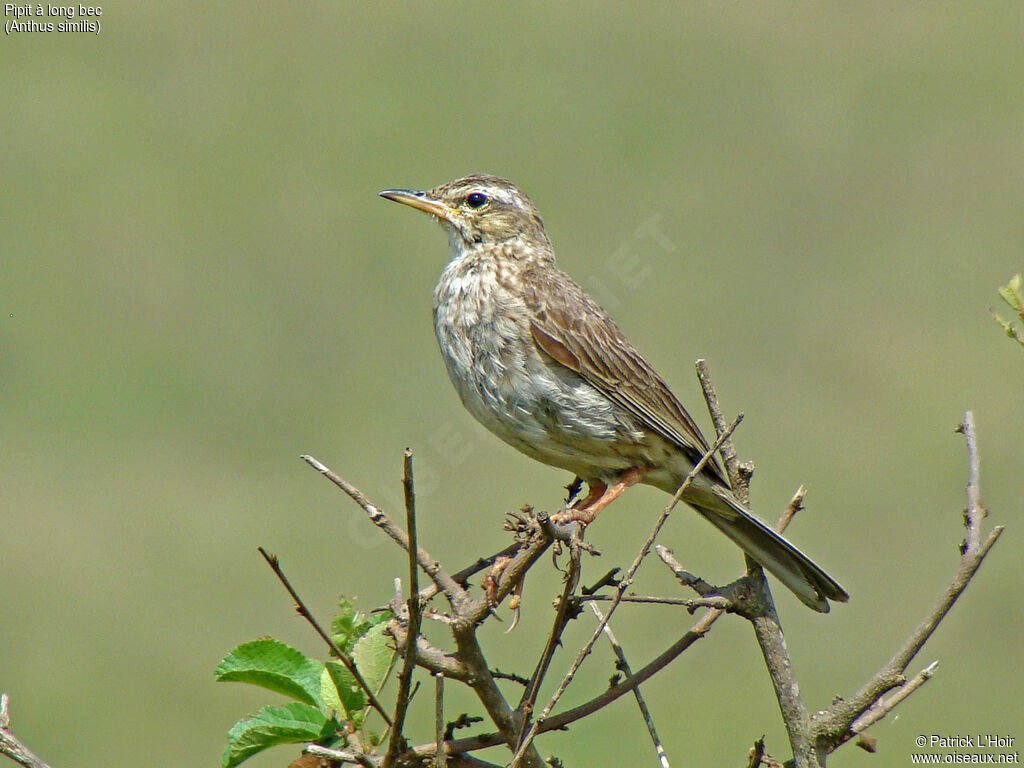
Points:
x=541 y=365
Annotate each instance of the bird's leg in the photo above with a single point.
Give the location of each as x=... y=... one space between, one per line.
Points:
x=600 y=496
x=595 y=490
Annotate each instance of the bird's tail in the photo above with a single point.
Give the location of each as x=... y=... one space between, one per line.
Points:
x=797 y=571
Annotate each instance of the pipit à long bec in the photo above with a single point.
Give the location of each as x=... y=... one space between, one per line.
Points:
x=542 y=366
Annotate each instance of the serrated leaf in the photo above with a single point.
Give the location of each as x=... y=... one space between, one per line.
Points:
x=293 y=723
x=275 y=666
x=344 y=689
x=374 y=656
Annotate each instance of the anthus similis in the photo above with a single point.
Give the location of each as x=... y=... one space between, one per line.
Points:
x=542 y=366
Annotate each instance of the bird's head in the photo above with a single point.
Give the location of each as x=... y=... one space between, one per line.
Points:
x=478 y=209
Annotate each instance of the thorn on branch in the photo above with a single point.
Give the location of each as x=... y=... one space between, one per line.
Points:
x=462 y=721
x=499 y=675
x=607 y=580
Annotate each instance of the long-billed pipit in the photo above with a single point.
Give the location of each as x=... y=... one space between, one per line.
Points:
x=542 y=366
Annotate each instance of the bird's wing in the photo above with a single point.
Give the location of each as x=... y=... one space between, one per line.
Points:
x=572 y=329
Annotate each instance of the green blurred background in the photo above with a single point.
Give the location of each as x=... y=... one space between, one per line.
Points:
x=199 y=283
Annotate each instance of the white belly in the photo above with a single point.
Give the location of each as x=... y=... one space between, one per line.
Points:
x=531 y=402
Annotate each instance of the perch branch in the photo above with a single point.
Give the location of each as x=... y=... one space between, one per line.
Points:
x=621 y=589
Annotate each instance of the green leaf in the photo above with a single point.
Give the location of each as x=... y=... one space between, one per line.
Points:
x=1011 y=293
x=293 y=723
x=374 y=656
x=341 y=691
x=348 y=625
x=271 y=664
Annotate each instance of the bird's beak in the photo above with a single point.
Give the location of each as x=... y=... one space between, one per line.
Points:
x=421 y=201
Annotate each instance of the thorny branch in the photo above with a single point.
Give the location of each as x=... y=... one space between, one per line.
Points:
x=811 y=738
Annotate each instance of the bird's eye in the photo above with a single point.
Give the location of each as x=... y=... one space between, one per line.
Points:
x=476 y=199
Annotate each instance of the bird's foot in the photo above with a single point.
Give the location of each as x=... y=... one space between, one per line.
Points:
x=599 y=496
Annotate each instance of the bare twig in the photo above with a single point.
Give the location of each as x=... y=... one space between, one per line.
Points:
x=455 y=593
x=397 y=739
x=832 y=727
x=715 y=601
x=428 y=656
x=499 y=675
x=529 y=697
x=620 y=591
x=885 y=706
x=795 y=505
x=441 y=756
x=341 y=755
x=562 y=719
x=10 y=745
x=687 y=579
x=975 y=511
x=343 y=657
x=760 y=608
x=772 y=641
x=623 y=666
x=728 y=451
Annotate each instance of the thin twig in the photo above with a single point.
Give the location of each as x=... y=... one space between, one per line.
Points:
x=529 y=697
x=343 y=657
x=701 y=628
x=441 y=756
x=499 y=675
x=623 y=665
x=795 y=505
x=885 y=706
x=452 y=589
x=10 y=745
x=975 y=511
x=414 y=617
x=717 y=601
x=341 y=755
x=728 y=451
x=831 y=727
x=760 y=608
x=621 y=589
